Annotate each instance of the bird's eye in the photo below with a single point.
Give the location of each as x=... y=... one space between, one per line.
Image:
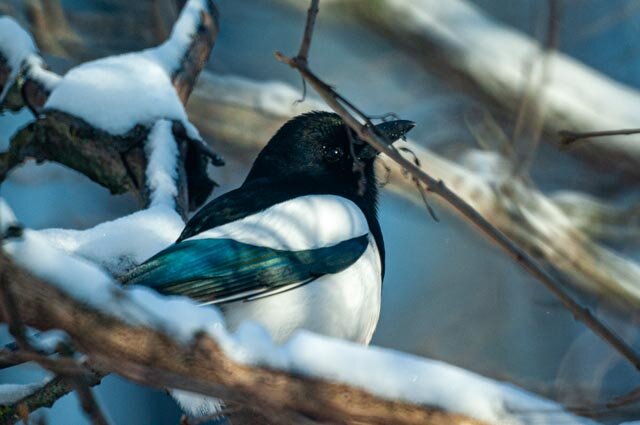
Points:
x=332 y=153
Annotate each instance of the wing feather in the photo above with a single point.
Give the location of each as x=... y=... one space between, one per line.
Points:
x=221 y=270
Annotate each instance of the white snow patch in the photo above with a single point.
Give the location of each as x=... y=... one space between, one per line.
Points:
x=10 y=393
x=35 y=69
x=117 y=92
x=16 y=45
x=499 y=57
x=197 y=404
x=162 y=153
x=48 y=341
x=122 y=243
x=171 y=52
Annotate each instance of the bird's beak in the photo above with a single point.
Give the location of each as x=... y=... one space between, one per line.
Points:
x=393 y=130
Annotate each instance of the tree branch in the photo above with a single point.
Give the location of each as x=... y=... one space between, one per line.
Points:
x=472 y=57
x=568 y=137
x=367 y=133
x=118 y=161
x=152 y=358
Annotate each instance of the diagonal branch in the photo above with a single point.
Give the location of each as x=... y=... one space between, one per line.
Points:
x=367 y=133
x=568 y=137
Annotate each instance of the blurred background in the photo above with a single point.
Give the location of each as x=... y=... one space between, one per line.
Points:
x=449 y=294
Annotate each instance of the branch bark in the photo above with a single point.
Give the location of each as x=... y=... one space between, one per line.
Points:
x=117 y=162
x=152 y=358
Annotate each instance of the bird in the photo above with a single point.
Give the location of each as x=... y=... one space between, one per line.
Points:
x=298 y=245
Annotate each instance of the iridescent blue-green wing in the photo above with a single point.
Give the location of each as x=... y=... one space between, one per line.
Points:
x=222 y=270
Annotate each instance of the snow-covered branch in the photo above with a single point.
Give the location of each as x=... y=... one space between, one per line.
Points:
x=134 y=332
x=102 y=116
x=24 y=77
x=457 y=38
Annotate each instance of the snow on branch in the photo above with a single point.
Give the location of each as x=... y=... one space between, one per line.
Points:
x=98 y=119
x=134 y=332
x=456 y=36
x=24 y=77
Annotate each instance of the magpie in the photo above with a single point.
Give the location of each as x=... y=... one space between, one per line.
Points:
x=297 y=245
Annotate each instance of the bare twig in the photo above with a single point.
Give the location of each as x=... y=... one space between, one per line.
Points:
x=44 y=396
x=303 y=53
x=88 y=401
x=567 y=137
x=367 y=133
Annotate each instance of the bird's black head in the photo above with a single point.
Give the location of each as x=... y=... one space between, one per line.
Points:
x=316 y=151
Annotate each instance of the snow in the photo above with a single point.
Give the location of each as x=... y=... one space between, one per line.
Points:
x=171 y=52
x=92 y=285
x=10 y=393
x=386 y=373
x=16 y=45
x=48 y=341
x=36 y=70
x=117 y=92
x=197 y=404
x=162 y=169
x=122 y=243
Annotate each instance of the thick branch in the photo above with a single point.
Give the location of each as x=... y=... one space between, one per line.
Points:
x=152 y=358
x=473 y=57
x=118 y=161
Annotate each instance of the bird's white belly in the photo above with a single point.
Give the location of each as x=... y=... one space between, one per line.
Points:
x=344 y=305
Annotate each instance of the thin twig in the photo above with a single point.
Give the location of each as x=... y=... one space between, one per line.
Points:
x=303 y=53
x=567 y=137
x=88 y=401
x=368 y=133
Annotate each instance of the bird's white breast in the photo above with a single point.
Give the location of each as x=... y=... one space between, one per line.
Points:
x=343 y=305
